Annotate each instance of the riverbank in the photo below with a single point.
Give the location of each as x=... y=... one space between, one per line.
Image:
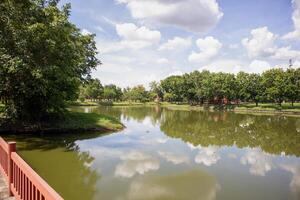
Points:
x=285 y=109
x=263 y=108
x=73 y=121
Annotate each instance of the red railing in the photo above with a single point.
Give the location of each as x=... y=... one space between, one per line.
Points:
x=24 y=183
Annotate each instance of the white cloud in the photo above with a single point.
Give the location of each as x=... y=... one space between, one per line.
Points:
x=194 y=15
x=163 y=61
x=177 y=43
x=162 y=140
x=137 y=37
x=175 y=186
x=286 y=53
x=192 y=146
x=296 y=63
x=136 y=162
x=85 y=32
x=131 y=32
x=209 y=48
x=233 y=66
x=260 y=162
x=175 y=73
x=174 y=158
x=295 y=182
x=258 y=66
x=207 y=156
x=295 y=35
x=261 y=44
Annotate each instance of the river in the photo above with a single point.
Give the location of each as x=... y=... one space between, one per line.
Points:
x=170 y=154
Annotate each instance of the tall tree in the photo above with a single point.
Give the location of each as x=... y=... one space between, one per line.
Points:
x=43 y=58
x=292 y=84
x=249 y=87
x=274 y=84
x=137 y=93
x=156 y=89
x=112 y=93
x=174 y=85
x=93 y=89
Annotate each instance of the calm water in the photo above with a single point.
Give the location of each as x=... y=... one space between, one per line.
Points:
x=165 y=154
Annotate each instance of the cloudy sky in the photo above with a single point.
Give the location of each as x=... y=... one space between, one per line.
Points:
x=144 y=40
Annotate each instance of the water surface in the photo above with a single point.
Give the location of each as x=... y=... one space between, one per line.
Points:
x=167 y=154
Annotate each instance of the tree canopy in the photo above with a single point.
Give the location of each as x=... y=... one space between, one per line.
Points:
x=43 y=58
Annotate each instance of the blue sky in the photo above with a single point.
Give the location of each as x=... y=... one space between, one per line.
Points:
x=140 y=41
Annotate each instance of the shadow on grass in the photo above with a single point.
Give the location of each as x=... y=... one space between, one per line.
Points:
x=49 y=141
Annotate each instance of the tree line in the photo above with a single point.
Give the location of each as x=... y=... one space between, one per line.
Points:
x=274 y=85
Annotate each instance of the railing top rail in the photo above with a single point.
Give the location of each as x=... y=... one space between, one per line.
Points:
x=4 y=144
x=44 y=188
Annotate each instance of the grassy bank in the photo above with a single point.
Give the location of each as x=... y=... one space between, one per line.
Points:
x=285 y=108
x=88 y=121
x=73 y=121
x=85 y=103
x=270 y=108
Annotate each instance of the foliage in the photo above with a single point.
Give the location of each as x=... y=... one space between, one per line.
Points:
x=273 y=82
x=249 y=87
x=93 y=89
x=274 y=85
x=155 y=90
x=112 y=93
x=137 y=93
x=292 y=84
x=43 y=58
x=173 y=85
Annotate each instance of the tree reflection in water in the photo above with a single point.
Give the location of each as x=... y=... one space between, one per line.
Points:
x=60 y=162
x=169 y=154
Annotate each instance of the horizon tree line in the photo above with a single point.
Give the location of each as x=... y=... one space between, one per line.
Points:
x=205 y=87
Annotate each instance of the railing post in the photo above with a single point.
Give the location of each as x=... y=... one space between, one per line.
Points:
x=11 y=148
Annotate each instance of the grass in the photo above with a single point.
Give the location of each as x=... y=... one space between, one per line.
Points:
x=73 y=121
x=246 y=107
x=85 y=103
x=285 y=107
x=108 y=103
x=249 y=107
x=127 y=103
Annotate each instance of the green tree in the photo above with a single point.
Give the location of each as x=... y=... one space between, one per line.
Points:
x=156 y=90
x=175 y=86
x=93 y=89
x=138 y=93
x=249 y=87
x=273 y=81
x=112 y=93
x=43 y=58
x=292 y=84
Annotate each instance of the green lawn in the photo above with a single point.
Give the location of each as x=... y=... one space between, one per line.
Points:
x=85 y=103
x=271 y=106
x=249 y=107
x=72 y=121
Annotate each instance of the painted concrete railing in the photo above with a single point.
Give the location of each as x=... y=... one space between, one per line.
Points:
x=24 y=182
